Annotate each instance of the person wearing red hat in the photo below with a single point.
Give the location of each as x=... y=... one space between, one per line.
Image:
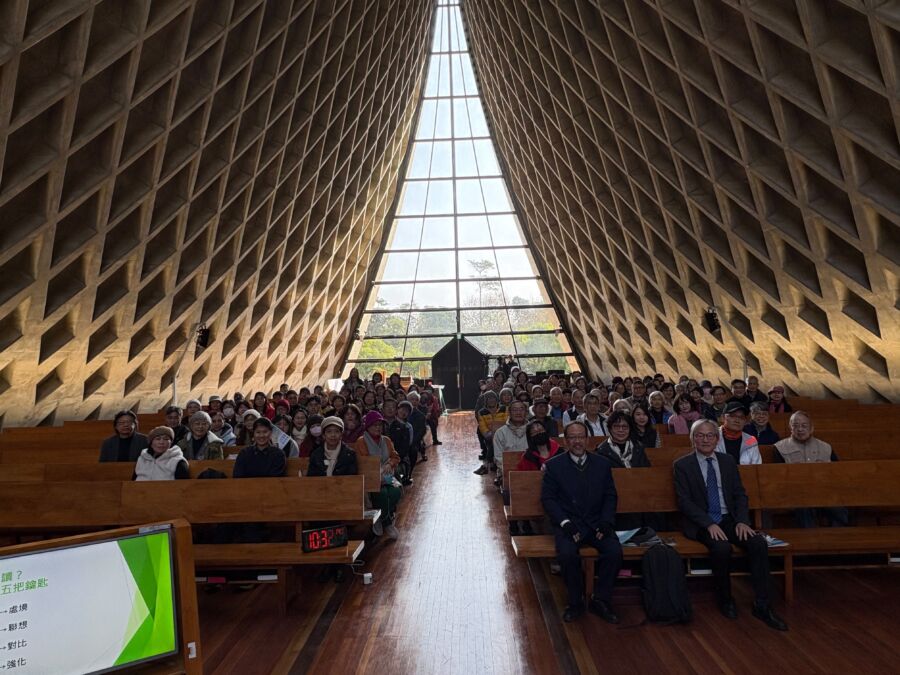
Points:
x=374 y=443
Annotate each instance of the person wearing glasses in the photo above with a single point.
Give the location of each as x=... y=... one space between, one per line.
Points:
x=801 y=447
x=714 y=504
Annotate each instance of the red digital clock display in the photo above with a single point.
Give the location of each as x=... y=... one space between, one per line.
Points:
x=323 y=538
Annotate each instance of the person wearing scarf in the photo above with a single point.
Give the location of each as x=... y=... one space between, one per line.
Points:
x=511 y=436
x=374 y=443
x=686 y=414
x=314 y=438
x=298 y=426
x=161 y=460
x=624 y=451
x=332 y=457
x=742 y=447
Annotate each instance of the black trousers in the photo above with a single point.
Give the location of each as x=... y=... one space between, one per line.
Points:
x=720 y=556
x=607 y=567
x=433 y=425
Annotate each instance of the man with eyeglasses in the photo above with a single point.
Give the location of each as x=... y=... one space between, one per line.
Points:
x=715 y=507
x=580 y=498
x=801 y=447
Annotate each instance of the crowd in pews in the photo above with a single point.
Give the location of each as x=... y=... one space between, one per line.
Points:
x=363 y=418
x=520 y=413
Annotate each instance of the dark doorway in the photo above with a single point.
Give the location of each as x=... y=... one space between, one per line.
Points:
x=458 y=366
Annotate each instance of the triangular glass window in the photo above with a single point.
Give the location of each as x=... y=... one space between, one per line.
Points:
x=456 y=262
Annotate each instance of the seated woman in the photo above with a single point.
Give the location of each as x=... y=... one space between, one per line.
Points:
x=374 y=443
x=314 y=438
x=540 y=448
x=262 y=406
x=657 y=410
x=222 y=429
x=299 y=430
x=332 y=457
x=777 y=401
x=162 y=460
x=644 y=429
x=623 y=451
x=353 y=428
x=685 y=415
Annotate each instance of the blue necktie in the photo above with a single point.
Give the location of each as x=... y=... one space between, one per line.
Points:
x=712 y=492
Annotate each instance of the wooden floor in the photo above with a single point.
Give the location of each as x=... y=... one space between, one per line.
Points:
x=449 y=597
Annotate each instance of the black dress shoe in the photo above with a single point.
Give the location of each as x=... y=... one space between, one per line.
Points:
x=481 y=470
x=768 y=616
x=728 y=608
x=603 y=610
x=572 y=613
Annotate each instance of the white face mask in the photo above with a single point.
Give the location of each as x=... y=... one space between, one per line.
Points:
x=228 y=412
x=316 y=430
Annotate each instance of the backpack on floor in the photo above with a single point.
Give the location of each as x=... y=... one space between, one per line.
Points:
x=664 y=591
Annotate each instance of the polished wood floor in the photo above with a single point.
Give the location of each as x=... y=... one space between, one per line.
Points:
x=450 y=597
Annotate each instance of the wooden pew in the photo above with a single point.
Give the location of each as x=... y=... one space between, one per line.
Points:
x=369 y=468
x=55 y=506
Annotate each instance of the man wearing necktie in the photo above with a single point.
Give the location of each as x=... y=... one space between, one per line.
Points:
x=580 y=498
x=714 y=504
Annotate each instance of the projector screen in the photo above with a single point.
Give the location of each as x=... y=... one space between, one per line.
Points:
x=91 y=608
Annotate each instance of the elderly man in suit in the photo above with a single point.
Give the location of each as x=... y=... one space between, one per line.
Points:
x=580 y=498
x=714 y=504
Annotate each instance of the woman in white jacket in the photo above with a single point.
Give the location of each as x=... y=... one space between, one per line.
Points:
x=162 y=460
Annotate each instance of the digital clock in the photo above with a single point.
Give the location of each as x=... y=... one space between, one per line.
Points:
x=322 y=538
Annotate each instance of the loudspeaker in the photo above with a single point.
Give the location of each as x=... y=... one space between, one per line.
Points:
x=711 y=320
x=203 y=336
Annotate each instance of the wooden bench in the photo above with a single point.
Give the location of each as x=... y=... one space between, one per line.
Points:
x=58 y=506
x=648 y=490
x=369 y=468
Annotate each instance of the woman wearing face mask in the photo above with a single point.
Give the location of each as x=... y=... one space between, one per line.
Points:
x=314 y=438
x=229 y=413
x=540 y=448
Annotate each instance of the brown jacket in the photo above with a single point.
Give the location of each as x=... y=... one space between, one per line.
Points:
x=363 y=450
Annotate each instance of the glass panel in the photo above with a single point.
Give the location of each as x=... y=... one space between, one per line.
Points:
x=442 y=123
x=477 y=263
x=533 y=319
x=487 y=159
x=495 y=197
x=542 y=365
x=420 y=162
x=399 y=266
x=391 y=296
x=433 y=80
x=477 y=119
x=461 y=128
x=429 y=323
x=381 y=349
x=525 y=292
x=426 y=120
x=418 y=346
x=472 y=231
x=406 y=234
x=466 y=165
x=468 y=196
x=441 y=41
x=440 y=196
x=547 y=343
x=438 y=233
x=463 y=76
x=443 y=86
x=484 y=321
x=494 y=345
x=439 y=294
x=505 y=231
x=514 y=262
x=459 y=36
x=436 y=265
x=480 y=294
x=416 y=369
x=442 y=160
x=384 y=324
x=412 y=200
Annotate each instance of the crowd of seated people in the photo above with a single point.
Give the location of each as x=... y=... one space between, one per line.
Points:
x=260 y=433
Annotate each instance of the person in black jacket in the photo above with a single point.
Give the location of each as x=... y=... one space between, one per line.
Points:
x=401 y=434
x=540 y=410
x=419 y=425
x=336 y=460
x=714 y=504
x=126 y=445
x=580 y=498
x=623 y=451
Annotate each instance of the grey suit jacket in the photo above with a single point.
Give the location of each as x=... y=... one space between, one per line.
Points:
x=690 y=488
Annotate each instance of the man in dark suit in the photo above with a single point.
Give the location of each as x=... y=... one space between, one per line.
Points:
x=580 y=498
x=714 y=504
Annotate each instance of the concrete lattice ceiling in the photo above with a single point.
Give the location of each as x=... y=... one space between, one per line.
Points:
x=669 y=155
x=168 y=162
